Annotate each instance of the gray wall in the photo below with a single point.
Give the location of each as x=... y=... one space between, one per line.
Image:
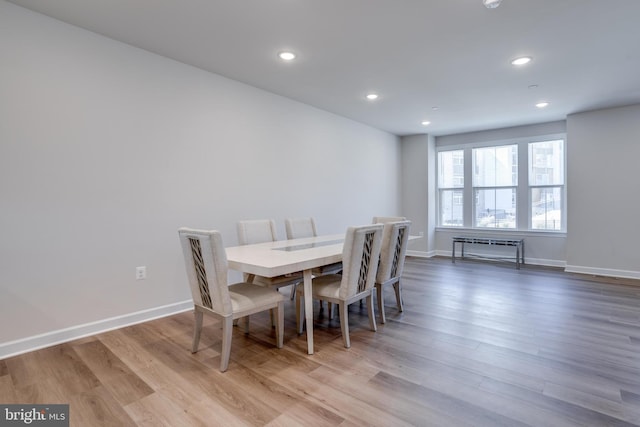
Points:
x=418 y=190
x=604 y=199
x=106 y=149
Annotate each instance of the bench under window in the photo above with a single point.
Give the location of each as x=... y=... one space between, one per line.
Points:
x=518 y=244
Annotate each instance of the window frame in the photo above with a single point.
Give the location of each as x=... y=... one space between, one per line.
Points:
x=453 y=188
x=562 y=187
x=523 y=195
x=476 y=188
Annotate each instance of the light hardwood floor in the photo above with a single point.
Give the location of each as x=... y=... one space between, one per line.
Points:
x=479 y=344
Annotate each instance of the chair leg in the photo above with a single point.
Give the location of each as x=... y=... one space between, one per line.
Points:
x=344 y=323
x=196 y=330
x=299 y=312
x=293 y=291
x=380 y=296
x=280 y=324
x=372 y=314
x=330 y=308
x=227 y=331
x=272 y=317
x=246 y=324
x=398 y=288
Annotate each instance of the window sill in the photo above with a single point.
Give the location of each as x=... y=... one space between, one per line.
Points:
x=506 y=231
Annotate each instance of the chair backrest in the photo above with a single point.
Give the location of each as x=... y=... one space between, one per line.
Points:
x=298 y=228
x=360 y=256
x=256 y=231
x=395 y=237
x=385 y=219
x=206 y=263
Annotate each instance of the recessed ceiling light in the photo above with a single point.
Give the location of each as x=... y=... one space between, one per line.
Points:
x=542 y=104
x=491 y=4
x=434 y=108
x=521 y=61
x=425 y=123
x=287 y=56
x=372 y=96
x=532 y=86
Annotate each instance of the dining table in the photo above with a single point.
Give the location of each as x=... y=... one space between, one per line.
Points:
x=283 y=257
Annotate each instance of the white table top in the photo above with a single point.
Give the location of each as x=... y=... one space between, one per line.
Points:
x=286 y=256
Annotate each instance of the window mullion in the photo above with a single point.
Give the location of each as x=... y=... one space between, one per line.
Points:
x=523 y=195
x=468 y=188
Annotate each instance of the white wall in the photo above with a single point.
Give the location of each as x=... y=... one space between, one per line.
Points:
x=106 y=149
x=604 y=199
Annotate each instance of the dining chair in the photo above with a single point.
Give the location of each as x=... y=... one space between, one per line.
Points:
x=261 y=231
x=383 y=219
x=206 y=265
x=360 y=255
x=395 y=237
x=298 y=228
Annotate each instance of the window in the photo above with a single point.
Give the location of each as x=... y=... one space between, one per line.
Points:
x=546 y=184
x=451 y=187
x=514 y=186
x=495 y=183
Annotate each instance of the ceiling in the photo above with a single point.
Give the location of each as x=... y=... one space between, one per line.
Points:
x=445 y=61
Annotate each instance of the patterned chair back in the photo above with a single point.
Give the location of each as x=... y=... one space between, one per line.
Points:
x=206 y=264
x=360 y=257
x=395 y=237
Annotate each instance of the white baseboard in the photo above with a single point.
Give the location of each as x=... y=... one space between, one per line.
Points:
x=546 y=262
x=609 y=272
x=421 y=254
x=530 y=261
x=24 y=345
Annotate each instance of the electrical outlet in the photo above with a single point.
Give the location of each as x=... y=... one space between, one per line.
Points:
x=141 y=273
x=422 y=234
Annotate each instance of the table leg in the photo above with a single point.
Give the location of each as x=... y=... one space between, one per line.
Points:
x=308 y=308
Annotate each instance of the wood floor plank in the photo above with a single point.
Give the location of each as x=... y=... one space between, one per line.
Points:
x=336 y=401
x=388 y=400
x=113 y=373
x=97 y=407
x=587 y=400
x=571 y=413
